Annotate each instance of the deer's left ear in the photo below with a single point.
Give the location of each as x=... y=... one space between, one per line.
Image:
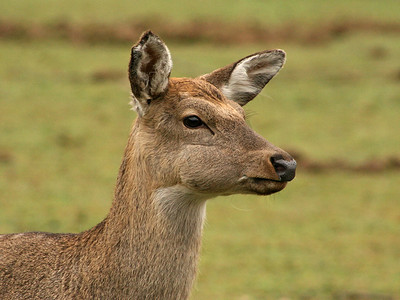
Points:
x=149 y=70
x=244 y=79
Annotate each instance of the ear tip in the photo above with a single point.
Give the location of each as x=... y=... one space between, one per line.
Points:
x=280 y=52
x=275 y=54
x=278 y=55
x=147 y=35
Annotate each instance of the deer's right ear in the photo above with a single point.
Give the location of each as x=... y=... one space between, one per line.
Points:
x=149 y=70
x=245 y=79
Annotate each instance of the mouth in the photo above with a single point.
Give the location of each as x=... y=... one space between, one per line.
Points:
x=260 y=180
x=262 y=186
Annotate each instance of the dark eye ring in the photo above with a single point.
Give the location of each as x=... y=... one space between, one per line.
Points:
x=192 y=122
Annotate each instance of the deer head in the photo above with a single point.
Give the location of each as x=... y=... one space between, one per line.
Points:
x=193 y=133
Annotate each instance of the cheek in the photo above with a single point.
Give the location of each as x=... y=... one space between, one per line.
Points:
x=209 y=170
x=162 y=166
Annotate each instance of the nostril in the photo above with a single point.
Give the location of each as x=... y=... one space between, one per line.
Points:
x=285 y=169
x=275 y=158
x=277 y=162
x=279 y=168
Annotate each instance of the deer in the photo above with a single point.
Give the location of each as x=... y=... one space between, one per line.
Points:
x=190 y=142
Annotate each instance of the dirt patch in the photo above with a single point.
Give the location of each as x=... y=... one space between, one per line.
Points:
x=347 y=295
x=6 y=157
x=194 y=31
x=373 y=166
x=66 y=140
x=107 y=75
x=396 y=75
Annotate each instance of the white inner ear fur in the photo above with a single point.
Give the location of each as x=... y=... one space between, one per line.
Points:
x=162 y=66
x=242 y=77
x=156 y=52
x=137 y=106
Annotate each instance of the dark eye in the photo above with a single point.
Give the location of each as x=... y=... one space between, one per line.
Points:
x=192 y=122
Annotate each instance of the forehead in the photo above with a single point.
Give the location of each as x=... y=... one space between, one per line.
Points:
x=184 y=89
x=195 y=88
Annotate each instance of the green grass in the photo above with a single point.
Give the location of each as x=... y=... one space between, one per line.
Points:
x=319 y=237
x=63 y=132
x=264 y=12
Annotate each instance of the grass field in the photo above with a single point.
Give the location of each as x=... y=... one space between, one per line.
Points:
x=271 y=12
x=329 y=235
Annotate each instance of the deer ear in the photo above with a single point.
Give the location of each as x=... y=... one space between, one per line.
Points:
x=149 y=70
x=244 y=80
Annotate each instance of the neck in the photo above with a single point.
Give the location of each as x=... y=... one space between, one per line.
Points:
x=153 y=234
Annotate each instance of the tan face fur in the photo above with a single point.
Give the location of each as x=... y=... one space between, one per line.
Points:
x=221 y=156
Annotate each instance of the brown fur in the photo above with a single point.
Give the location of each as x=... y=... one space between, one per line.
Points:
x=147 y=247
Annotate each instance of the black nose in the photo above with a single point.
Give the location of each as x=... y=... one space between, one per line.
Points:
x=286 y=169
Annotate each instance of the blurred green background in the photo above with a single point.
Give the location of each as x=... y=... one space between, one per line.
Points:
x=333 y=233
